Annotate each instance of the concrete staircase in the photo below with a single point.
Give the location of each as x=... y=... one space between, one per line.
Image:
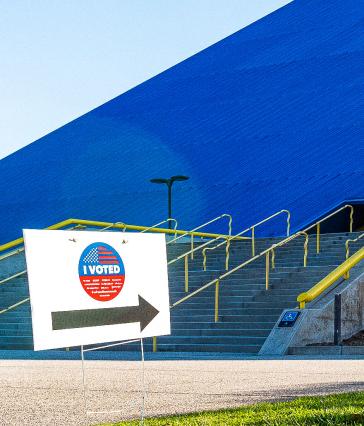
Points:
x=247 y=311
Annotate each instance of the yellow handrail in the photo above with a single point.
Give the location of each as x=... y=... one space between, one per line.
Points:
x=318 y=223
x=351 y=241
x=14 y=306
x=112 y=226
x=267 y=256
x=185 y=256
x=117 y=225
x=330 y=279
x=347 y=250
x=12 y=253
x=21 y=249
x=247 y=262
x=252 y=229
x=305 y=250
x=18 y=274
x=161 y=223
x=215 y=219
x=202 y=247
x=222 y=216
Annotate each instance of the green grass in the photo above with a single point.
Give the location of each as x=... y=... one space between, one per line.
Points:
x=341 y=409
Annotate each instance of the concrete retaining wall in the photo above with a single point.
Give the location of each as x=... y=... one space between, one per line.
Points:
x=317 y=325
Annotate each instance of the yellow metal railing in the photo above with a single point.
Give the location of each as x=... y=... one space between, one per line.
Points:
x=18 y=251
x=330 y=279
x=12 y=253
x=267 y=254
x=347 y=251
x=117 y=225
x=18 y=274
x=318 y=223
x=161 y=223
x=217 y=281
x=252 y=229
x=203 y=247
x=348 y=241
x=14 y=306
x=186 y=256
x=189 y=233
x=21 y=249
x=305 y=249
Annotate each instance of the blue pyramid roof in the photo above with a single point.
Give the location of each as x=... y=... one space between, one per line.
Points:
x=268 y=118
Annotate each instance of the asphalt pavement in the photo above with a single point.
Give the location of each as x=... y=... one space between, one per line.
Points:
x=49 y=392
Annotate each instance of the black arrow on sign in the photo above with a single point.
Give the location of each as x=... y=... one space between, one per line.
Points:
x=143 y=313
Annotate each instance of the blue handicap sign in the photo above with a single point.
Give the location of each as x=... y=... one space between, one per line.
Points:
x=288 y=319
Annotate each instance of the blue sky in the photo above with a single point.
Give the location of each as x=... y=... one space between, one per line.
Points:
x=59 y=59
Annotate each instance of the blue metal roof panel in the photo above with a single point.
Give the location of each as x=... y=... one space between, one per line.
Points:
x=268 y=118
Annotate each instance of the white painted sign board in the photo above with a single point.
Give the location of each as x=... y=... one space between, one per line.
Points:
x=95 y=287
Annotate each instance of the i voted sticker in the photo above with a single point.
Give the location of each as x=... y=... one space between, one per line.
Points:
x=101 y=271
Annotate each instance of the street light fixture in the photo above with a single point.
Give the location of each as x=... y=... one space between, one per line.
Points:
x=169 y=182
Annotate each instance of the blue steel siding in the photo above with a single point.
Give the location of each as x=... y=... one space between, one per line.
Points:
x=268 y=118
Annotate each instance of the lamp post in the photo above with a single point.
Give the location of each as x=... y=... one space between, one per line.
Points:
x=169 y=182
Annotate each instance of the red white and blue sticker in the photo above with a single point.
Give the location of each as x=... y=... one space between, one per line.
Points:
x=101 y=272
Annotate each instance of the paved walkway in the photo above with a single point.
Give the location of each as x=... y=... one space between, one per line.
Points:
x=51 y=393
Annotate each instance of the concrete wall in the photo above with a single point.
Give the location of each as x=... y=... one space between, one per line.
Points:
x=316 y=325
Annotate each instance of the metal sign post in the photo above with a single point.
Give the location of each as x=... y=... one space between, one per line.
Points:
x=89 y=412
x=86 y=289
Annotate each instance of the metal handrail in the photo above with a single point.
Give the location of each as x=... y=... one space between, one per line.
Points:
x=146 y=228
x=14 y=306
x=331 y=278
x=216 y=281
x=318 y=223
x=305 y=249
x=347 y=251
x=202 y=226
x=107 y=225
x=266 y=252
x=18 y=274
x=118 y=225
x=12 y=253
x=113 y=225
x=15 y=252
x=204 y=247
x=185 y=256
x=161 y=223
x=252 y=229
x=351 y=241
x=21 y=249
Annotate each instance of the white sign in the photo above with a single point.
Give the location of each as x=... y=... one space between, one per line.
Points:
x=91 y=287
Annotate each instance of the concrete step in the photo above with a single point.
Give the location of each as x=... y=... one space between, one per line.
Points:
x=242 y=332
x=181 y=347
x=187 y=317
x=213 y=340
x=211 y=325
x=17 y=346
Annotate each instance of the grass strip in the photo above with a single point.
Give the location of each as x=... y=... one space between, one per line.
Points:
x=339 y=409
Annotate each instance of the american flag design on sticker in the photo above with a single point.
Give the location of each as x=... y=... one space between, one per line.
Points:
x=101 y=254
x=101 y=271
